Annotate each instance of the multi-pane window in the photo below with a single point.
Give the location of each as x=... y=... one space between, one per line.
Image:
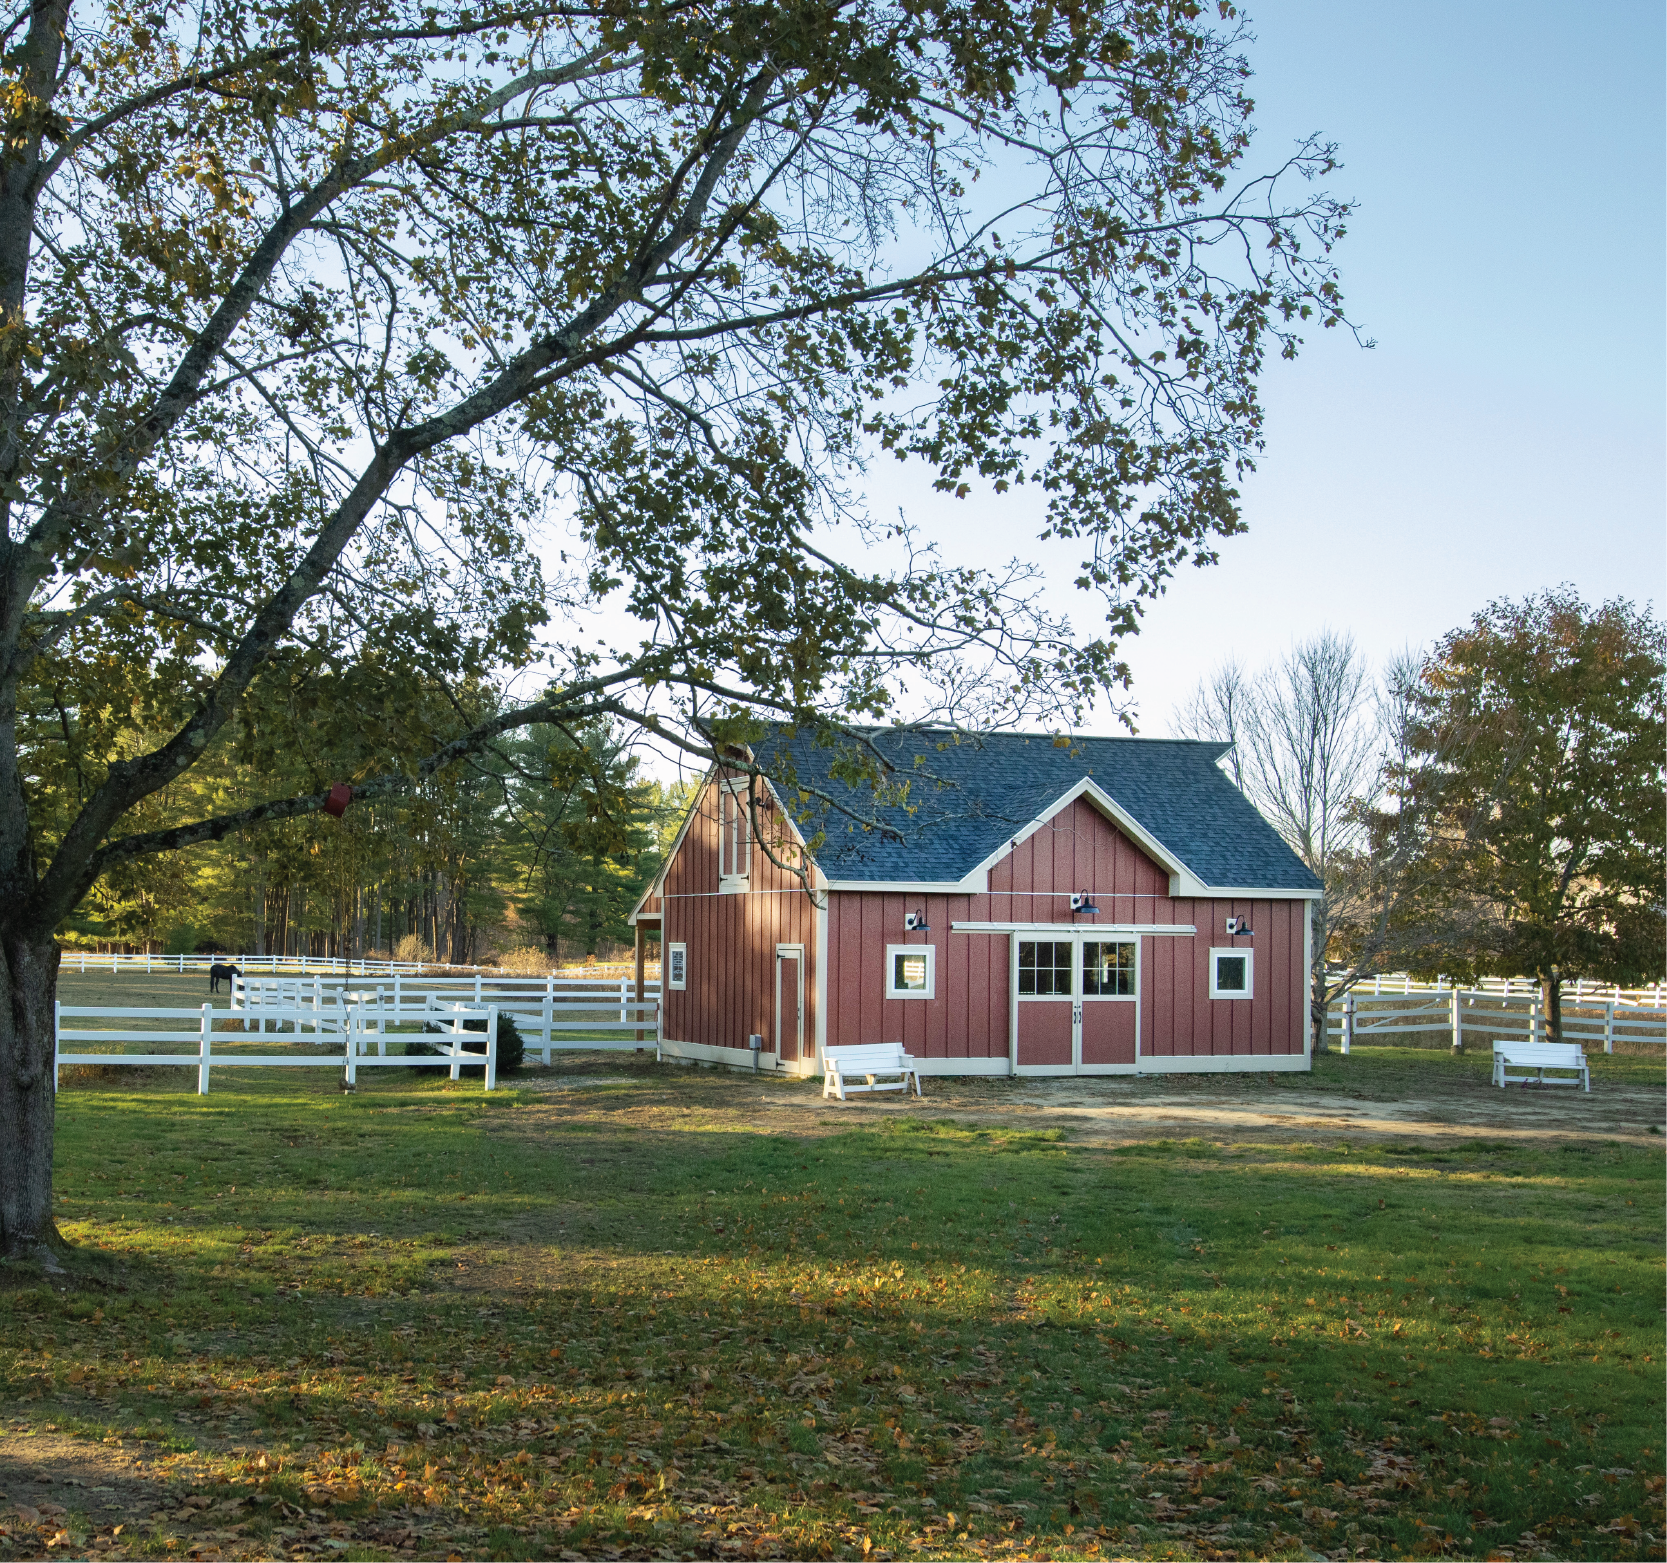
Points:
x=734 y=834
x=1044 y=968
x=1108 y=970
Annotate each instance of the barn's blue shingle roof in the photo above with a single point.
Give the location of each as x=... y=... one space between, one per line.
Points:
x=990 y=787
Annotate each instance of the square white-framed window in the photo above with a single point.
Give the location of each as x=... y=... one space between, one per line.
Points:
x=734 y=836
x=1232 y=974
x=911 y=971
x=677 y=967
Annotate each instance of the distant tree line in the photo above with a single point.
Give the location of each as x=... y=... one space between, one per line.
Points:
x=544 y=841
x=1491 y=806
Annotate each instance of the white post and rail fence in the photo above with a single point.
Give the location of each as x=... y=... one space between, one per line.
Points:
x=330 y=1024
x=1478 y=1017
x=83 y=961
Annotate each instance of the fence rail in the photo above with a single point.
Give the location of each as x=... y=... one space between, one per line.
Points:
x=1487 y=1015
x=1399 y=982
x=302 y=965
x=357 y=1030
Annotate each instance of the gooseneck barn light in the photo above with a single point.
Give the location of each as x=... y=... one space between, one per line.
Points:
x=1083 y=903
x=915 y=922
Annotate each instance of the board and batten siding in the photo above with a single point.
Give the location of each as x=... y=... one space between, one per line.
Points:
x=731 y=939
x=1078 y=849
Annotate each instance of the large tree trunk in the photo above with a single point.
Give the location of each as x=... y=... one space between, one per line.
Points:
x=1551 y=999
x=29 y=976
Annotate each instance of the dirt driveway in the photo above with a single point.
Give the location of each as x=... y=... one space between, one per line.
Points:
x=1409 y=1096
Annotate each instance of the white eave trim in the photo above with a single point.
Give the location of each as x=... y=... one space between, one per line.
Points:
x=1178 y=930
x=976 y=883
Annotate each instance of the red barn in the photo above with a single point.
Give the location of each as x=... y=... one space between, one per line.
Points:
x=1110 y=906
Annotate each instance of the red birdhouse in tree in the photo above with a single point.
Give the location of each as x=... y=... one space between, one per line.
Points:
x=339 y=797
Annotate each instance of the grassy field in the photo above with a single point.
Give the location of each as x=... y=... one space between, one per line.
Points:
x=644 y=1319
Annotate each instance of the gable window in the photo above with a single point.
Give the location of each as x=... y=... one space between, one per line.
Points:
x=911 y=971
x=1232 y=974
x=1108 y=970
x=677 y=966
x=734 y=837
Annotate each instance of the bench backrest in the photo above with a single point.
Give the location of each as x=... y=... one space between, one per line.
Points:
x=867 y=1058
x=1567 y=1054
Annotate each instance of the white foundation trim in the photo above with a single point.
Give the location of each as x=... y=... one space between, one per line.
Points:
x=962 y=1066
x=738 y=1058
x=1225 y=1064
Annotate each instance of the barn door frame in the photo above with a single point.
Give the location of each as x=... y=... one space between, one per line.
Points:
x=796 y=954
x=1076 y=937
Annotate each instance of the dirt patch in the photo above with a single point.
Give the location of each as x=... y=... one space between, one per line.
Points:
x=51 y=1480
x=1441 y=1105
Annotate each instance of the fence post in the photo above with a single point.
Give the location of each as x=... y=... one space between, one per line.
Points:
x=491 y=1048
x=205 y=1050
x=1348 y=1024
x=456 y=1043
x=1533 y=1020
x=1609 y=1028
x=477 y=990
x=350 y=1035
x=396 y=998
x=57 y=1026
x=549 y=1016
x=1458 y=1022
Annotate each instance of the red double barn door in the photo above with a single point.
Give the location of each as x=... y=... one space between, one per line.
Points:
x=1076 y=1001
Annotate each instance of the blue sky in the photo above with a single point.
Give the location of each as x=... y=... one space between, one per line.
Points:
x=1507 y=431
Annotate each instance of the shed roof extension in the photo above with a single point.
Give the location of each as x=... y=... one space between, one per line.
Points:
x=970 y=796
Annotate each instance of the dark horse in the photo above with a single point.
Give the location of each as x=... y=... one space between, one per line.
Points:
x=221 y=971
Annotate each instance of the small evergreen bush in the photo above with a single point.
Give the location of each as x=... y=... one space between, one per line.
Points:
x=511 y=1048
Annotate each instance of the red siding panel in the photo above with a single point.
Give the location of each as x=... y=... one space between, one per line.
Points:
x=732 y=940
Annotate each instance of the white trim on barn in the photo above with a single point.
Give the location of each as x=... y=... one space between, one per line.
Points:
x=1241 y=952
x=928 y=988
x=1158 y=930
x=1221 y=1063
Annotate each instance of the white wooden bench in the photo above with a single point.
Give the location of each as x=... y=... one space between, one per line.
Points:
x=1539 y=1057
x=844 y=1065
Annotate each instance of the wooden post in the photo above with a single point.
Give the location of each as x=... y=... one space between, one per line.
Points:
x=549 y=1015
x=1609 y=1027
x=640 y=953
x=1348 y=1024
x=57 y=1028
x=1458 y=1022
x=492 y=1049
x=205 y=1049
